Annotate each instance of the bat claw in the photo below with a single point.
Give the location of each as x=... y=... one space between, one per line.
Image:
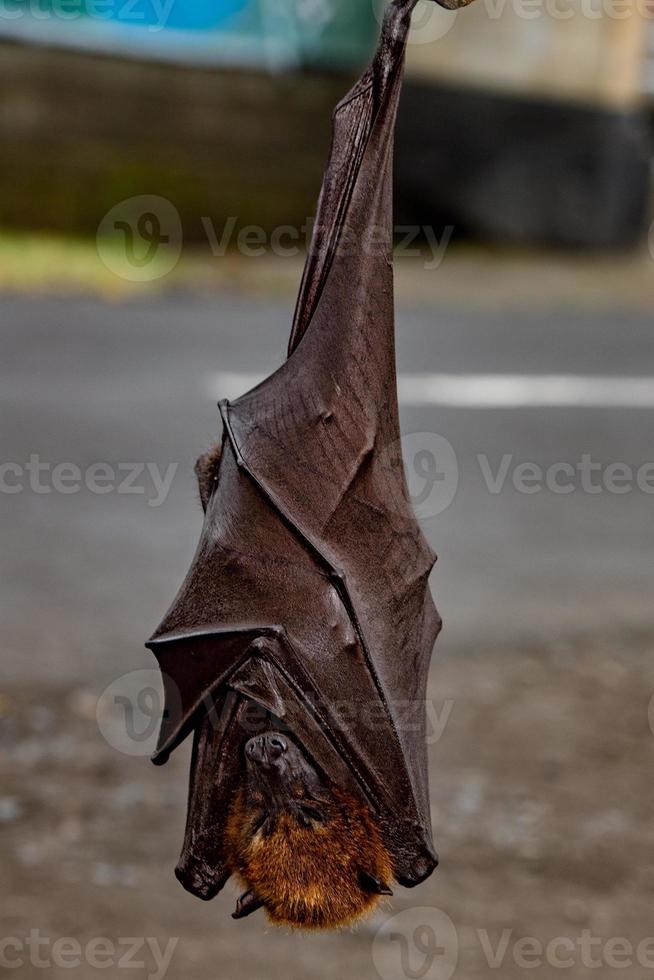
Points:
x=246 y=905
x=371 y=883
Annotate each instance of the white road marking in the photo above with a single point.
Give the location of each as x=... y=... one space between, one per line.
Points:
x=525 y=390
x=490 y=390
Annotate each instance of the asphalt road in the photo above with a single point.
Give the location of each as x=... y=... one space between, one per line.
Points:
x=88 y=573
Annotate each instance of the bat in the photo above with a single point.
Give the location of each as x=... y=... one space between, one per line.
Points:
x=298 y=646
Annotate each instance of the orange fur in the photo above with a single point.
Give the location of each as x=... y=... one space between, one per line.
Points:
x=308 y=877
x=206 y=471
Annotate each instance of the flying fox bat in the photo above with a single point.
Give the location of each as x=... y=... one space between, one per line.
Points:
x=298 y=646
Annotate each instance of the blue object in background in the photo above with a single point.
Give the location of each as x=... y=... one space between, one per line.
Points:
x=196 y=15
x=253 y=34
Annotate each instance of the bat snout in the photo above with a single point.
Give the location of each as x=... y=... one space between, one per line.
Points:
x=265 y=750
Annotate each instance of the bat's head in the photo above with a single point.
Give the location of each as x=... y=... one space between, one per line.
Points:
x=280 y=775
x=307 y=852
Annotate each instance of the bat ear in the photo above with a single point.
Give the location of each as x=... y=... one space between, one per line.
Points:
x=371 y=883
x=246 y=905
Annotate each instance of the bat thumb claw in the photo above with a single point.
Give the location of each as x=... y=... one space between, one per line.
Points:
x=371 y=883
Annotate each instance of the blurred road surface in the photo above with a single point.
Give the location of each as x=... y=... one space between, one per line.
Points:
x=87 y=575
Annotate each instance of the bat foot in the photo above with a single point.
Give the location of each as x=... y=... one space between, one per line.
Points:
x=371 y=883
x=246 y=905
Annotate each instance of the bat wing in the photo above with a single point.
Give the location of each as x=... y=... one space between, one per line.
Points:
x=309 y=590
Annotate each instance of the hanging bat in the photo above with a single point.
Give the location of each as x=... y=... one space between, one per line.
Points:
x=298 y=646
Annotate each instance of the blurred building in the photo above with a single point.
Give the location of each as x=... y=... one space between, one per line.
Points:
x=522 y=120
x=257 y=34
x=539 y=124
